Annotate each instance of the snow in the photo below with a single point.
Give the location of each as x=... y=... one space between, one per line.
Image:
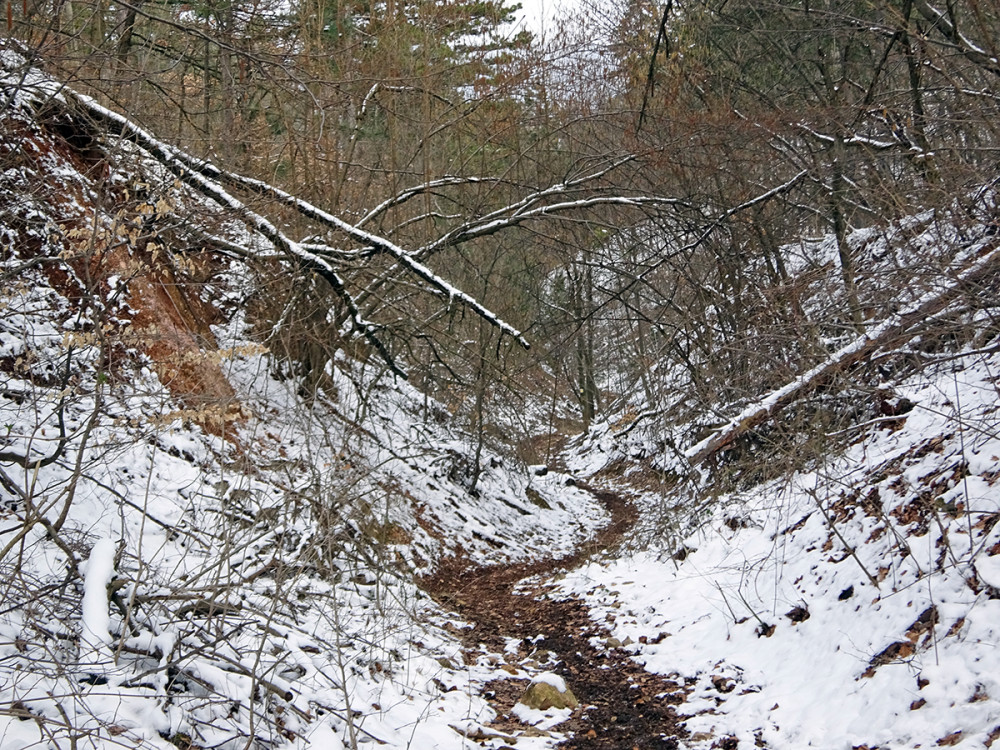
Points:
x=550 y=678
x=819 y=681
x=263 y=586
x=99 y=571
x=547 y=719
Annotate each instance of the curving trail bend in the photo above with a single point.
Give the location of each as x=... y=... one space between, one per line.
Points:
x=623 y=707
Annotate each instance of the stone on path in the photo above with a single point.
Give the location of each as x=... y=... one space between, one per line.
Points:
x=548 y=690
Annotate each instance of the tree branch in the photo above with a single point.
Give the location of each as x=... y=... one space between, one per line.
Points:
x=950 y=31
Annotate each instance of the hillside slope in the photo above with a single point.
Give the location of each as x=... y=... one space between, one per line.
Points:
x=829 y=575
x=852 y=604
x=201 y=546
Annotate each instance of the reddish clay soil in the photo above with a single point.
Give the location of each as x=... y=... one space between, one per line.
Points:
x=622 y=706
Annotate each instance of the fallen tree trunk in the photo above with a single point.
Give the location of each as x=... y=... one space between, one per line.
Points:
x=983 y=258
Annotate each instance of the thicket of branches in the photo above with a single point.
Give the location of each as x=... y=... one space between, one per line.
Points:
x=814 y=149
x=636 y=205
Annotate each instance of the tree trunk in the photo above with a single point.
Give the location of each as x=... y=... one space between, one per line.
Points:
x=840 y=231
x=895 y=331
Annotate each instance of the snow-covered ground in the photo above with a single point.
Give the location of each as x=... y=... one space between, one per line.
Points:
x=259 y=587
x=855 y=604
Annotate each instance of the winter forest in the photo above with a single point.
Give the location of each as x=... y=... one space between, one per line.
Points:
x=404 y=375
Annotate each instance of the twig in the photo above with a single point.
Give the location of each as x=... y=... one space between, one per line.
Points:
x=848 y=547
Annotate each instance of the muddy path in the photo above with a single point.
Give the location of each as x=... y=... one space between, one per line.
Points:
x=622 y=706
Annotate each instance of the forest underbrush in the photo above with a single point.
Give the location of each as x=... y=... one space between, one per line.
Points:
x=220 y=493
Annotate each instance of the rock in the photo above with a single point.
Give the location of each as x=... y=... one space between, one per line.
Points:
x=682 y=554
x=613 y=642
x=723 y=684
x=534 y=496
x=765 y=630
x=543 y=695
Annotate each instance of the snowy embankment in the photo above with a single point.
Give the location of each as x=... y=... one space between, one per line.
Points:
x=213 y=592
x=852 y=605
x=198 y=549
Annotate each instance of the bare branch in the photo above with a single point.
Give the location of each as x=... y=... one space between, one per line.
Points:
x=510 y=214
x=416 y=190
x=951 y=32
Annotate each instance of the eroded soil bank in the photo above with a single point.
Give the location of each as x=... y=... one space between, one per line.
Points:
x=622 y=705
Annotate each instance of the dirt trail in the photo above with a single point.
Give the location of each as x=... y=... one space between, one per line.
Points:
x=622 y=706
